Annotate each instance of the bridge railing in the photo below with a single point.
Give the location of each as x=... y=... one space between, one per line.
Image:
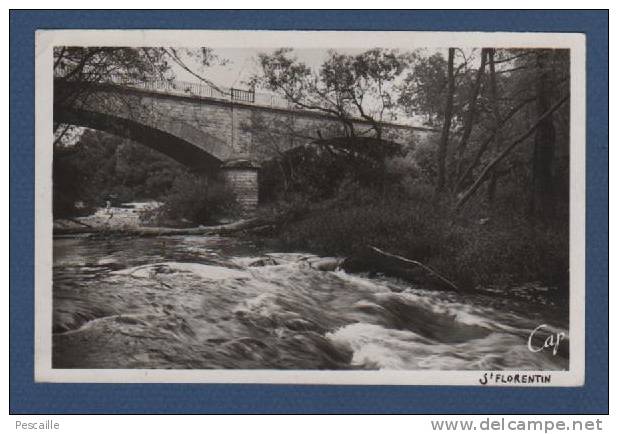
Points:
x=187 y=88
x=242 y=95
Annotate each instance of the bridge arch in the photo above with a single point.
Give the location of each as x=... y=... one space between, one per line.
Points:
x=177 y=148
x=239 y=175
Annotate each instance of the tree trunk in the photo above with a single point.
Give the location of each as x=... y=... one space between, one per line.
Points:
x=542 y=191
x=446 y=125
x=470 y=114
x=495 y=105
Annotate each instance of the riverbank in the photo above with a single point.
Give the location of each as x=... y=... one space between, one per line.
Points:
x=411 y=236
x=476 y=249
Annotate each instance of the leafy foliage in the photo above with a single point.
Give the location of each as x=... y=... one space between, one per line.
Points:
x=318 y=170
x=195 y=199
x=100 y=166
x=423 y=89
x=345 y=86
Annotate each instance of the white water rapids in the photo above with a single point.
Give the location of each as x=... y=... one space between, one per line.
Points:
x=209 y=302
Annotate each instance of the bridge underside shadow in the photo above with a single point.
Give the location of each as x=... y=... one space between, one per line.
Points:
x=239 y=176
x=174 y=147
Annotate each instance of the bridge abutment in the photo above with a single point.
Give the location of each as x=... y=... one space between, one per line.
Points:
x=241 y=177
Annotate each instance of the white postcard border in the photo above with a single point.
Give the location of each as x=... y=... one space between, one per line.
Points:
x=47 y=39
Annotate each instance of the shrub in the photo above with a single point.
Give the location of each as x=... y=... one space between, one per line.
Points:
x=503 y=251
x=197 y=200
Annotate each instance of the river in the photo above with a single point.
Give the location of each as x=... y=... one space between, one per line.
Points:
x=212 y=302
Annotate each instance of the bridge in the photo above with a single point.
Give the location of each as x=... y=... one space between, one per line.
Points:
x=227 y=132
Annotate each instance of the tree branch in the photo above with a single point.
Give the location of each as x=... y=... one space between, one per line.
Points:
x=418 y=264
x=176 y=58
x=464 y=198
x=488 y=140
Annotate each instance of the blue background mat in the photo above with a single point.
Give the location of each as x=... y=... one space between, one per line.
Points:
x=28 y=397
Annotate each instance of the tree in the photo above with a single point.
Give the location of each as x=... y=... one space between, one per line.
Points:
x=541 y=197
x=469 y=118
x=347 y=87
x=497 y=117
x=484 y=111
x=546 y=70
x=424 y=89
x=92 y=66
x=491 y=166
x=446 y=92
x=497 y=123
x=446 y=124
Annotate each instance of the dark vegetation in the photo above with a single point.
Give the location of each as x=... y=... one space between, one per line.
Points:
x=469 y=250
x=484 y=201
x=100 y=167
x=197 y=200
x=91 y=167
x=339 y=213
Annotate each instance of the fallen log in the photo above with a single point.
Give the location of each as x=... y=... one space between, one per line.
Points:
x=375 y=260
x=146 y=231
x=79 y=223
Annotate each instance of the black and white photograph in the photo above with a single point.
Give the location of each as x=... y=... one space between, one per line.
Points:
x=311 y=207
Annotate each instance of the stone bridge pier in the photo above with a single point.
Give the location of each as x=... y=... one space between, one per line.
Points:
x=240 y=176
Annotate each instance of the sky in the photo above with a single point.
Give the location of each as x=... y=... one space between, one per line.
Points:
x=243 y=64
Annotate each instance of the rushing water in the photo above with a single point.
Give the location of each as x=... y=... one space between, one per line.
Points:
x=210 y=302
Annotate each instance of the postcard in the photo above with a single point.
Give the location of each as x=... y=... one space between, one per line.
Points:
x=310 y=207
